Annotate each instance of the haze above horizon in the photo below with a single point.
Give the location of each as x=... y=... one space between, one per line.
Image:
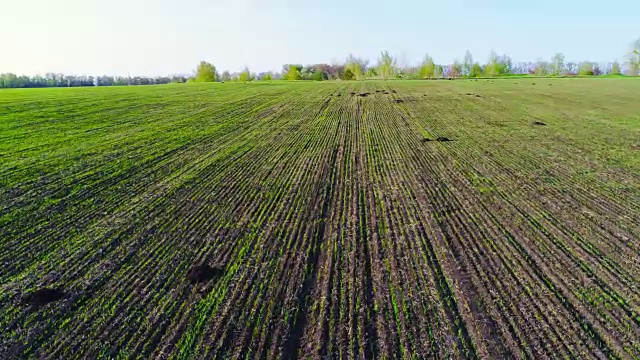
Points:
x=145 y=37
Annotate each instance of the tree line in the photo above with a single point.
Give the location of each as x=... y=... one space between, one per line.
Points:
x=387 y=67
x=355 y=68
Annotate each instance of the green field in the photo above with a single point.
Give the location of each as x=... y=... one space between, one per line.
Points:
x=323 y=222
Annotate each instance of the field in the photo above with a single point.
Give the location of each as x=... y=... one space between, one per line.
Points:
x=312 y=220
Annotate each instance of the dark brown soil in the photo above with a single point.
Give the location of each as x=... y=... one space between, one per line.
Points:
x=393 y=91
x=202 y=273
x=43 y=296
x=398 y=101
x=539 y=123
x=442 y=138
x=426 y=140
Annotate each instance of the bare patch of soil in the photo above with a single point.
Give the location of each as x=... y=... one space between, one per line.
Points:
x=202 y=273
x=43 y=296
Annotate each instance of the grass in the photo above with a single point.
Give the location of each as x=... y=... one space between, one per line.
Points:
x=337 y=230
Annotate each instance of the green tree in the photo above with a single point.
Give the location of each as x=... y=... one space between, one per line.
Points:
x=318 y=76
x=428 y=68
x=357 y=66
x=586 y=68
x=372 y=73
x=557 y=64
x=293 y=73
x=615 y=68
x=226 y=76
x=476 y=71
x=205 y=72
x=492 y=68
x=245 y=75
x=386 y=65
x=348 y=75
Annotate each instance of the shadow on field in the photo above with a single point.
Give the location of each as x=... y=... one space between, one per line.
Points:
x=439 y=139
x=202 y=273
x=43 y=296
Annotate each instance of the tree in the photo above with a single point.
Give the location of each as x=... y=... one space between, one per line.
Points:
x=634 y=59
x=357 y=66
x=586 y=69
x=615 y=68
x=348 y=75
x=557 y=64
x=205 y=72
x=438 y=71
x=318 y=76
x=386 y=65
x=293 y=72
x=467 y=64
x=541 y=68
x=226 y=76
x=428 y=68
x=245 y=75
x=476 y=71
x=372 y=73
x=493 y=67
x=454 y=69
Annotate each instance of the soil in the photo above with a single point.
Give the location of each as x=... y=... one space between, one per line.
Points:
x=539 y=123
x=442 y=138
x=202 y=273
x=43 y=296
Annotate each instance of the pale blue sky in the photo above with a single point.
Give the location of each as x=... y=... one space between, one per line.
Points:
x=161 y=37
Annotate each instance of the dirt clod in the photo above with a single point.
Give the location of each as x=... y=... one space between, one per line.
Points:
x=442 y=138
x=202 y=273
x=426 y=140
x=399 y=101
x=43 y=296
x=393 y=91
x=539 y=123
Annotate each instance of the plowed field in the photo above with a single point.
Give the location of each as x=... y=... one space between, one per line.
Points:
x=322 y=220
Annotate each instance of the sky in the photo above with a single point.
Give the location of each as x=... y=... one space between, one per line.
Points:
x=163 y=37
